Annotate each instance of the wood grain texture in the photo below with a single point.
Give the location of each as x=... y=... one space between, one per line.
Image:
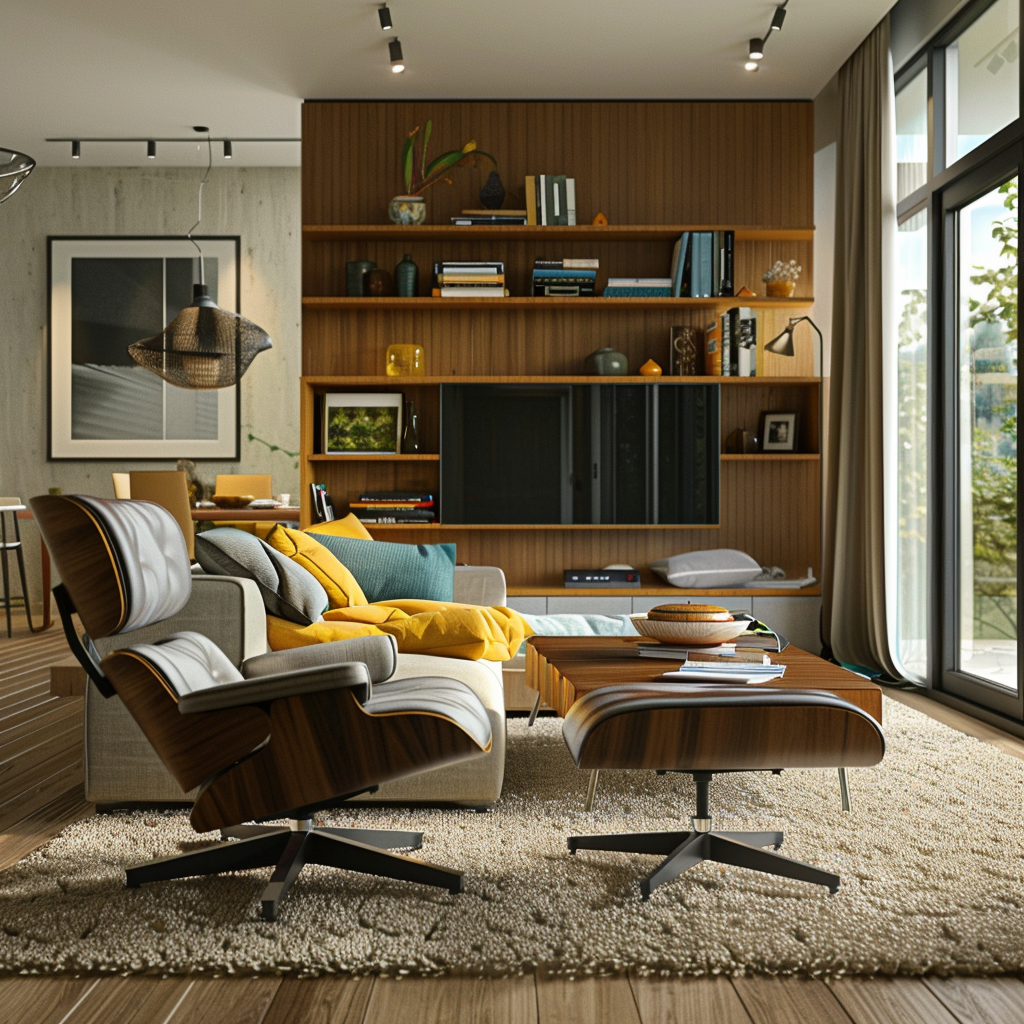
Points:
x=41 y=1000
x=130 y=1001
x=455 y=999
x=789 y=1000
x=694 y=173
x=890 y=1001
x=321 y=1001
x=212 y=1001
x=30 y=832
x=562 y=1000
x=981 y=1000
x=687 y=1000
x=564 y=668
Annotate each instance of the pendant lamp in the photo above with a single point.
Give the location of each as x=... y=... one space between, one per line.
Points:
x=14 y=169
x=204 y=346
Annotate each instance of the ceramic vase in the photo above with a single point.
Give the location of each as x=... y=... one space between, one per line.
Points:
x=781 y=289
x=407 y=278
x=408 y=210
x=492 y=195
x=411 y=434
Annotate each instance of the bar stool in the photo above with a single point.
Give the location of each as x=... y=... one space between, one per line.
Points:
x=13 y=506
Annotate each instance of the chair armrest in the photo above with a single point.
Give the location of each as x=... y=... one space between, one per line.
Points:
x=348 y=676
x=378 y=653
x=226 y=609
x=479 y=584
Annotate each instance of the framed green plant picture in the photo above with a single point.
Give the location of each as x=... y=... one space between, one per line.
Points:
x=362 y=424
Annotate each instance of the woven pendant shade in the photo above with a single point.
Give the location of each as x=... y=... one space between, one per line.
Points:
x=14 y=169
x=203 y=347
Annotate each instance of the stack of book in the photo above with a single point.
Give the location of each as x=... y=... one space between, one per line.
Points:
x=702 y=264
x=473 y=280
x=730 y=344
x=482 y=218
x=394 y=507
x=550 y=199
x=564 y=277
x=323 y=510
x=638 y=287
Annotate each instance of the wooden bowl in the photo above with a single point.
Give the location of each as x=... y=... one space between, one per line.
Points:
x=696 y=633
x=232 y=500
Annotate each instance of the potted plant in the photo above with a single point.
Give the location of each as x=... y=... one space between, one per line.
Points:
x=781 y=279
x=419 y=175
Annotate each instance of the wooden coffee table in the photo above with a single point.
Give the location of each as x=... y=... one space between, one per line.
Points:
x=562 y=669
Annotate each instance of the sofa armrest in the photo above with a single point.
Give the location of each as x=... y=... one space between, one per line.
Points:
x=377 y=653
x=226 y=609
x=479 y=584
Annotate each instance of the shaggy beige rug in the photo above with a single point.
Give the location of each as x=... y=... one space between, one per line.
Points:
x=932 y=863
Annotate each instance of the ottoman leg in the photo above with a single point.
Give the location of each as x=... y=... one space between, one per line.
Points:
x=727 y=851
x=630 y=842
x=691 y=851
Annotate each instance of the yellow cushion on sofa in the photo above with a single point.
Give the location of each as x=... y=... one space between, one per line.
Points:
x=455 y=630
x=347 y=527
x=283 y=635
x=341 y=586
x=371 y=613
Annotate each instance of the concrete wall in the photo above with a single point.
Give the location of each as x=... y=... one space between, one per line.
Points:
x=259 y=204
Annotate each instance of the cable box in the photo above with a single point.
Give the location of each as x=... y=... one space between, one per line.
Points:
x=602 y=578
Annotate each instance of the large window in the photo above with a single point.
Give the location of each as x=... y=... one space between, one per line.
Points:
x=959 y=155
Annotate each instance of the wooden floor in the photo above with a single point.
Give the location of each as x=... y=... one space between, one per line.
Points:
x=39 y=758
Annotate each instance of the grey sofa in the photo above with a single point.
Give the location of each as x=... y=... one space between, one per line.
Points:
x=121 y=767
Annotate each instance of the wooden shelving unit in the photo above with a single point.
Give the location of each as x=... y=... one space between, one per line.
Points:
x=696 y=178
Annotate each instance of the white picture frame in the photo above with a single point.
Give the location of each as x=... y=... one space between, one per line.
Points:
x=104 y=294
x=362 y=423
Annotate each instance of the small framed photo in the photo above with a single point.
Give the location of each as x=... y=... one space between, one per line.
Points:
x=362 y=424
x=778 y=431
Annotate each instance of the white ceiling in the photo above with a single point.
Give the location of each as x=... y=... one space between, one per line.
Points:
x=242 y=67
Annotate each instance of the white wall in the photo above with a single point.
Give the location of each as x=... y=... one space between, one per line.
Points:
x=260 y=204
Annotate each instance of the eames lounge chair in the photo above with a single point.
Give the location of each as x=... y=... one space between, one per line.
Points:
x=291 y=732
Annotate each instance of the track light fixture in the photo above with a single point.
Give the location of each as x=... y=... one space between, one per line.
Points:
x=228 y=154
x=751 y=65
x=151 y=149
x=395 y=50
x=756 y=51
x=385 y=18
x=778 y=18
x=76 y=149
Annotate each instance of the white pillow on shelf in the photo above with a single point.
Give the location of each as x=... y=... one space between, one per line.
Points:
x=707 y=570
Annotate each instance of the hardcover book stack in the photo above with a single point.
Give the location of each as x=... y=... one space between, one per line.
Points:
x=474 y=280
x=394 y=507
x=483 y=218
x=638 y=288
x=730 y=344
x=702 y=264
x=550 y=199
x=568 y=277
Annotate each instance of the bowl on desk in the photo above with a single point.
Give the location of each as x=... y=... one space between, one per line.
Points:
x=696 y=633
x=233 y=500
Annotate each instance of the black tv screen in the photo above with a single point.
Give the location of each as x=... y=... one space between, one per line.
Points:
x=584 y=454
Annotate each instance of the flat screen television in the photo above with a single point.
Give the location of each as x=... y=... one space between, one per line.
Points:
x=580 y=454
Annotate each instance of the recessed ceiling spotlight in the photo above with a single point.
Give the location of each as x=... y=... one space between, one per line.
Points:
x=751 y=65
x=151 y=149
x=76 y=150
x=778 y=18
x=228 y=154
x=397 y=62
x=385 y=18
x=756 y=51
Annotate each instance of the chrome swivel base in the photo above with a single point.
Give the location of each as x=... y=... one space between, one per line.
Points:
x=686 y=849
x=365 y=850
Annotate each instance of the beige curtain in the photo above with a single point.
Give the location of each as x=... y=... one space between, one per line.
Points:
x=858 y=600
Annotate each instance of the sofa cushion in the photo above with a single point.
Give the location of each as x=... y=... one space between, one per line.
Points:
x=287 y=589
x=392 y=571
x=347 y=526
x=305 y=550
x=706 y=570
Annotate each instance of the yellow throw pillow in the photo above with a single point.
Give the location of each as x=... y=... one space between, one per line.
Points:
x=455 y=630
x=341 y=586
x=347 y=527
x=283 y=635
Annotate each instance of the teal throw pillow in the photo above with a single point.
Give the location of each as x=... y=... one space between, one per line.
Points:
x=392 y=572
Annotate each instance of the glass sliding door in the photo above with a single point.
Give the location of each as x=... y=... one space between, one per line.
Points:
x=980 y=582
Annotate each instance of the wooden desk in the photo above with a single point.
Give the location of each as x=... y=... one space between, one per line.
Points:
x=563 y=668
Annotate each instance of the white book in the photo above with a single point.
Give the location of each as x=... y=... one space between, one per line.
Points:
x=475 y=292
x=570 y=202
x=647 y=282
x=704 y=674
x=542 y=185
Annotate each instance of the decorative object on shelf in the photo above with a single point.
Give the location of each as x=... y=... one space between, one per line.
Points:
x=778 y=431
x=407 y=278
x=684 y=351
x=362 y=423
x=233 y=500
x=746 y=293
x=492 y=195
x=196 y=487
x=377 y=283
x=650 y=369
x=411 y=434
x=600 y=220
x=781 y=279
x=204 y=347
x=419 y=175
x=409 y=210
x=355 y=272
x=606 y=362
x=741 y=442
x=14 y=169
x=405 y=360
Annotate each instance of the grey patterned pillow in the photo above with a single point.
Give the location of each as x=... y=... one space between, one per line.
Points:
x=288 y=590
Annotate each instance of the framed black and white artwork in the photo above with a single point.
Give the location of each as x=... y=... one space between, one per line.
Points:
x=105 y=294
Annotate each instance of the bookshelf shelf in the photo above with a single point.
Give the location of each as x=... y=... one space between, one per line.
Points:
x=374 y=458
x=531 y=233
x=592 y=304
x=772 y=457
x=323 y=382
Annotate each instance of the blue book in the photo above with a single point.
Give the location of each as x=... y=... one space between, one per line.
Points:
x=704 y=271
x=637 y=292
x=678 y=263
x=592 y=274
